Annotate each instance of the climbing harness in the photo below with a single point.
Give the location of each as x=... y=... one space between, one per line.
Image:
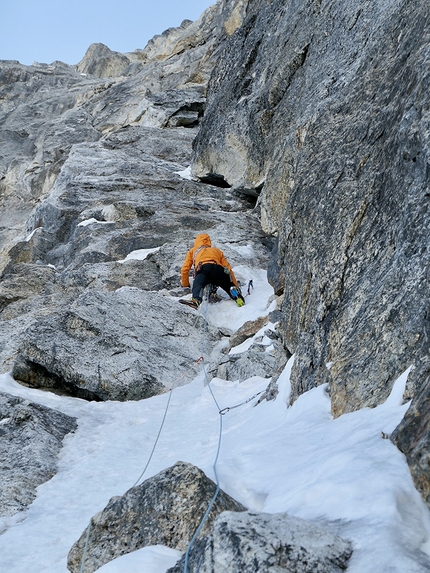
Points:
x=199 y=266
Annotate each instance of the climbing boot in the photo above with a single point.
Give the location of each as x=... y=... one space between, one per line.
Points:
x=194 y=303
x=237 y=296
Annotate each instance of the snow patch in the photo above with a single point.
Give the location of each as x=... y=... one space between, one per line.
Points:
x=154 y=559
x=139 y=255
x=274 y=458
x=185 y=174
x=91 y=221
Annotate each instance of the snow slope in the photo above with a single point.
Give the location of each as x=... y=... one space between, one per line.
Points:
x=274 y=458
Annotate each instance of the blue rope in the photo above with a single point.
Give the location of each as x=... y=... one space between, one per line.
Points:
x=87 y=538
x=202 y=522
x=221 y=413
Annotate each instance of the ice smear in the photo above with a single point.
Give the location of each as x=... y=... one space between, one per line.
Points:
x=28 y=238
x=92 y=221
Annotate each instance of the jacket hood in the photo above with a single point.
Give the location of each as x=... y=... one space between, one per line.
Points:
x=203 y=240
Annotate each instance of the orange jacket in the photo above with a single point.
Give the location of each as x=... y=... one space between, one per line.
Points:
x=203 y=252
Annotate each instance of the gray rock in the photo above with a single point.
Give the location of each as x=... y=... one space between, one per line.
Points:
x=25 y=282
x=127 y=186
x=412 y=437
x=165 y=509
x=247 y=330
x=41 y=117
x=248 y=542
x=101 y=62
x=123 y=345
x=319 y=108
x=253 y=362
x=30 y=440
x=45 y=109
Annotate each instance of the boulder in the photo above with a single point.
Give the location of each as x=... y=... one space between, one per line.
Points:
x=164 y=510
x=101 y=62
x=249 y=542
x=123 y=345
x=30 y=440
x=255 y=361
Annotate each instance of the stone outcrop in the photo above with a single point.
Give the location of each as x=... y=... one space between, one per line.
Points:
x=165 y=509
x=412 y=437
x=249 y=542
x=123 y=345
x=256 y=361
x=323 y=106
x=247 y=330
x=46 y=109
x=101 y=62
x=30 y=438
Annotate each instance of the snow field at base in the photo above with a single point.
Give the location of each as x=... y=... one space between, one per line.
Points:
x=274 y=458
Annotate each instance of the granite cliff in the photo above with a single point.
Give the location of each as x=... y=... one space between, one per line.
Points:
x=321 y=110
x=306 y=125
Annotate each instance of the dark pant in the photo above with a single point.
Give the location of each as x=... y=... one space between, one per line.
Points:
x=211 y=274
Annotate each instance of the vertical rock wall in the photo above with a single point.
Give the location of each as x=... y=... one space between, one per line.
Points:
x=324 y=104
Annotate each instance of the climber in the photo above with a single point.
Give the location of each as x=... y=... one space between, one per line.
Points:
x=210 y=267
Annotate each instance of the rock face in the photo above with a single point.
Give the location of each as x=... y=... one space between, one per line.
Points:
x=124 y=330
x=69 y=293
x=30 y=439
x=46 y=109
x=412 y=437
x=165 y=509
x=315 y=125
x=93 y=177
x=249 y=542
x=323 y=105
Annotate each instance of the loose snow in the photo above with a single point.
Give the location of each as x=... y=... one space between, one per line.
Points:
x=274 y=458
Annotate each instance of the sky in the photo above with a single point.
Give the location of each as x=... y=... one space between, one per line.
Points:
x=47 y=30
x=273 y=458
